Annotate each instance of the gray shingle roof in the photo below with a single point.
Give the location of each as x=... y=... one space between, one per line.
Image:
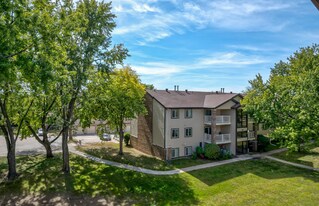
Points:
x=190 y=99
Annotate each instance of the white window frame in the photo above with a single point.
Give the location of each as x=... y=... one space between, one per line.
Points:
x=174 y=114
x=172 y=132
x=188 y=153
x=188 y=113
x=174 y=152
x=186 y=132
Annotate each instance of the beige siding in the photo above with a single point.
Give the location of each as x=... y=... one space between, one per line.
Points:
x=133 y=128
x=158 y=124
x=196 y=123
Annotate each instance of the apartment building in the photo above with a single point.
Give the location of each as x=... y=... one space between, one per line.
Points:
x=179 y=121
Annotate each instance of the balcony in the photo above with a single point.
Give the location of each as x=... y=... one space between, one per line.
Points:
x=208 y=119
x=208 y=138
x=251 y=135
x=221 y=120
x=222 y=138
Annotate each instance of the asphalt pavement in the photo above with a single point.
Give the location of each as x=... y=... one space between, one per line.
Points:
x=32 y=146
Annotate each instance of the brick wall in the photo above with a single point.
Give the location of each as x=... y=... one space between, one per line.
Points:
x=144 y=131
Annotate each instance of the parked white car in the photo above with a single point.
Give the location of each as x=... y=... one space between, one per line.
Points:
x=40 y=132
x=107 y=137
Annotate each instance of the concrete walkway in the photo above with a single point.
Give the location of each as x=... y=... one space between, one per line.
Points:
x=158 y=172
x=192 y=168
x=292 y=163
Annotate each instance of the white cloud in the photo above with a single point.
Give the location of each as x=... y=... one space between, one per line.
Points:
x=230 y=58
x=151 y=20
x=157 y=68
x=214 y=61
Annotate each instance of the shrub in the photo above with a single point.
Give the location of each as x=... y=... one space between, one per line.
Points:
x=127 y=137
x=194 y=156
x=199 y=151
x=263 y=142
x=225 y=154
x=211 y=151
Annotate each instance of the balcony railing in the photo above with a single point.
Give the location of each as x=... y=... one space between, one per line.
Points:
x=208 y=119
x=251 y=135
x=208 y=137
x=222 y=120
x=222 y=138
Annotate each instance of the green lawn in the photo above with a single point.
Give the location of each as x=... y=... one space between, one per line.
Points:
x=310 y=158
x=131 y=156
x=109 y=151
x=254 y=182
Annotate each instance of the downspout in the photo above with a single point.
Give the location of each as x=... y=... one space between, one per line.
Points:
x=165 y=147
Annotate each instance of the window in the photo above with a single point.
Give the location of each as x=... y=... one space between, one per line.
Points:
x=242 y=119
x=208 y=130
x=188 y=151
x=175 y=133
x=175 y=152
x=188 y=113
x=175 y=114
x=208 y=112
x=188 y=132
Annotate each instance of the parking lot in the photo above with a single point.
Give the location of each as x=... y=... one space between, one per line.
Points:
x=32 y=146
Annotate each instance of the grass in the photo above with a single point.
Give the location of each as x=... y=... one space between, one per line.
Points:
x=310 y=158
x=271 y=147
x=254 y=182
x=109 y=151
x=131 y=156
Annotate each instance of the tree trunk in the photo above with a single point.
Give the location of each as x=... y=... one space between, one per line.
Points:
x=65 y=152
x=48 y=149
x=12 y=174
x=121 y=141
x=70 y=133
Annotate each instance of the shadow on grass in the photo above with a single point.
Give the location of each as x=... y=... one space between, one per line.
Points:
x=309 y=158
x=144 y=161
x=261 y=167
x=92 y=181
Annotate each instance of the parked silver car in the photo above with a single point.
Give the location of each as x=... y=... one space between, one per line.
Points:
x=40 y=132
x=106 y=137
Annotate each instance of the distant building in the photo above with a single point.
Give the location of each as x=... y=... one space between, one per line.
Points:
x=179 y=121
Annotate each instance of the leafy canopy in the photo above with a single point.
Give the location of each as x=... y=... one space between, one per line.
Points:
x=288 y=102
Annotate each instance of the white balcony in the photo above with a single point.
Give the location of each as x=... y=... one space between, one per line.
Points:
x=221 y=120
x=222 y=138
x=208 y=119
x=251 y=135
x=208 y=138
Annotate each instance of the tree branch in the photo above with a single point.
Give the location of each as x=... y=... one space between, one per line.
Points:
x=21 y=121
x=57 y=136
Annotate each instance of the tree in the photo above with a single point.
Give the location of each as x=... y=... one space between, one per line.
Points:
x=43 y=73
x=116 y=97
x=86 y=28
x=287 y=102
x=17 y=43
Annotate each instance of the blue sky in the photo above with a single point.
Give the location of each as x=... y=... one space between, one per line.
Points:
x=204 y=45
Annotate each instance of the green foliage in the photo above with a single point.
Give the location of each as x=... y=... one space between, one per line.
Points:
x=287 y=102
x=263 y=142
x=116 y=97
x=127 y=138
x=194 y=155
x=225 y=154
x=100 y=129
x=199 y=150
x=211 y=151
